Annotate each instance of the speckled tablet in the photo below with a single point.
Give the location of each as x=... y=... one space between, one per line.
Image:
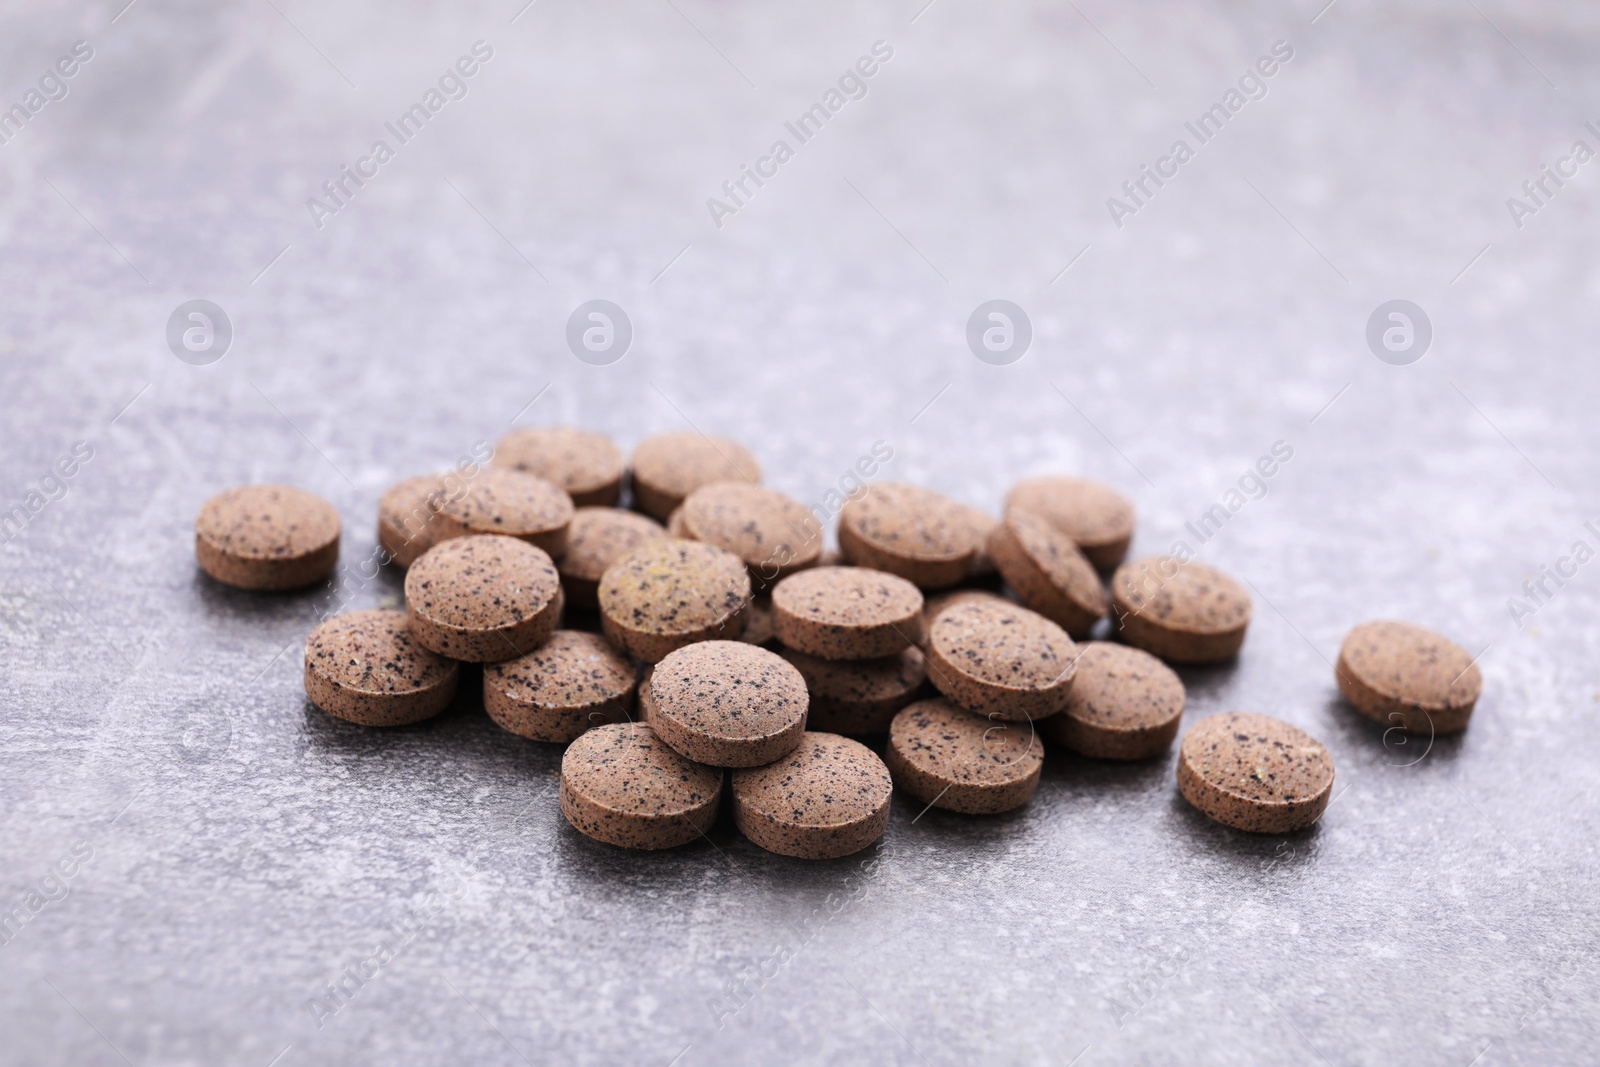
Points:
x=847 y=612
x=483 y=598
x=858 y=696
x=981 y=526
x=667 y=594
x=1253 y=772
x=365 y=666
x=1001 y=659
x=670 y=466
x=728 y=704
x=1183 y=612
x=587 y=466
x=597 y=538
x=675 y=526
x=405 y=517
x=923 y=536
x=1125 y=704
x=621 y=785
x=935 y=605
x=1401 y=674
x=646 y=703
x=1044 y=567
x=569 y=684
x=1097 y=517
x=512 y=503
x=827 y=798
x=267 y=537
x=774 y=534
x=760 y=624
x=949 y=758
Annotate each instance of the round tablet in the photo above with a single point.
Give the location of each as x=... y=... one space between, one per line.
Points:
x=728 y=704
x=498 y=501
x=916 y=533
x=858 y=696
x=1253 y=772
x=586 y=465
x=826 y=799
x=483 y=598
x=981 y=526
x=1182 y=612
x=1048 y=572
x=1097 y=517
x=597 y=538
x=760 y=624
x=774 y=534
x=934 y=605
x=670 y=466
x=1405 y=675
x=847 y=612
x=570 y=683
x=952 y=759
x=405 y=518
x=1001 y=659
x=270 y=537
x=1125 y=704
x=667 y=594
x=366 y=667
x=621 y=785
x=647 y=704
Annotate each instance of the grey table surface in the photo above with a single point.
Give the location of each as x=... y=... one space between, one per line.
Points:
x=192 y=853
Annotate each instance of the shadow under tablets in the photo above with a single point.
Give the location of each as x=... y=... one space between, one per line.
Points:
x=461 y=722
x=1206 y=684
x=1239 y=849
x=1348 y=730
x=221 y=604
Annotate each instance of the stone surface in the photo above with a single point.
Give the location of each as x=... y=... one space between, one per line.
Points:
x=234 y=850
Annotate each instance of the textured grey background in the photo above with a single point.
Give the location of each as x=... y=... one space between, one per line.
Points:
x=245 y=849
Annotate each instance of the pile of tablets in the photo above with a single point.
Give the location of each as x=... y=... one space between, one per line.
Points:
x=714 y=649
